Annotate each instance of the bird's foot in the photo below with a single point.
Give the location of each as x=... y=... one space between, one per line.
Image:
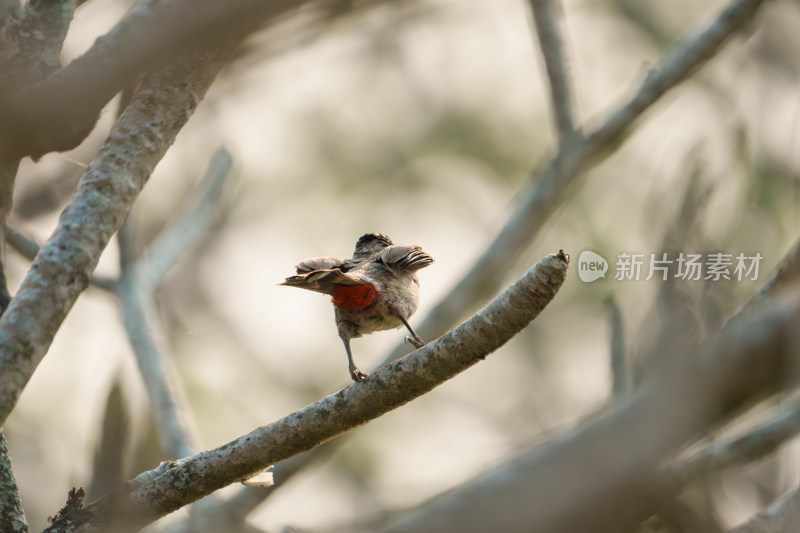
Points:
x=416 y=341
x=357 y=374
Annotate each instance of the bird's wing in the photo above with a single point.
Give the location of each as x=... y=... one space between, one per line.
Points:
x=319 y=263
x=405 y=257
x=322 y=280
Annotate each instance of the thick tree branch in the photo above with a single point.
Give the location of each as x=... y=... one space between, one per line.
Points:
x=550 y=185
x=59 y=112
x=181 y=482
x=62 y=269
x=30 y=49
x=28 y=249
x=546 y=17
x=12 y=516
x=605 y=475
x=32 y=45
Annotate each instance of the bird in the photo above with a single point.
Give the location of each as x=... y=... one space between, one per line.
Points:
x=375 y=290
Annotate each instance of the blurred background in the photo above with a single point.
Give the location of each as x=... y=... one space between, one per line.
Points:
x=423 y=120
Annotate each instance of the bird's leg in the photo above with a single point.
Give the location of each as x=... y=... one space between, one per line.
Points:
x=414 y=338
x=355 y=373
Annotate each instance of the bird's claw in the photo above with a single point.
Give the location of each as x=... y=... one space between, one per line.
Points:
x=416 y=341
x=357 y=374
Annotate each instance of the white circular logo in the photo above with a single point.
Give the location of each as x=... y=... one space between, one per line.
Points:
x=591 y=266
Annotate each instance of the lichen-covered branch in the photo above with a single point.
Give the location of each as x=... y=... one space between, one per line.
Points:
x=30 y=48
x=605 y=475
x=546 y=17
x=12 y=516
x=28 y=249
x=549 y=186
x=62 y=269
x=189 y=479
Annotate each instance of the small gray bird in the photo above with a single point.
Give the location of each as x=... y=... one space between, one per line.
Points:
x=375 y=290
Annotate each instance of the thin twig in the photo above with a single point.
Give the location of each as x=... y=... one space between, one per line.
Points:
x=620 y=382
x=12 y=516
x=63 y=267
x=170 y=245
x=546 y=17
x=549 y=187
x=780 y=517
x=136 y=288
x=755 y=444
x=171 y=421
x=786 y=274
x=189 y=479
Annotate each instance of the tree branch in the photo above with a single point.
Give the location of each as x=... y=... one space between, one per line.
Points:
x=546 y=15
x=780 y=517
x=171 y=244
x=30 y=49
x=786 y=274
x=757 y=443
x=620 y=382
x=171 y=422
x=135 y=290
x=550 y=186
x=184 y=481
x=605 y=476
x=59 y=112
x=12 y=516
x=63 y=267
x=28 y=249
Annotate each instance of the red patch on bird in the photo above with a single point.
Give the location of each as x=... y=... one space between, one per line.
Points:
x=354 y=296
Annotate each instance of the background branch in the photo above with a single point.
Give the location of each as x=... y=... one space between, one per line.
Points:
x=171 y=244
x=620 y=381
x=136 y=292
x=757 y=443
x=548 y=187
x=63 y=267
x=781 y=517
x=546 y=16
x=189 y=479
x=30 y=50
x=579 y=481
x=172 y=426
x=59 y=112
